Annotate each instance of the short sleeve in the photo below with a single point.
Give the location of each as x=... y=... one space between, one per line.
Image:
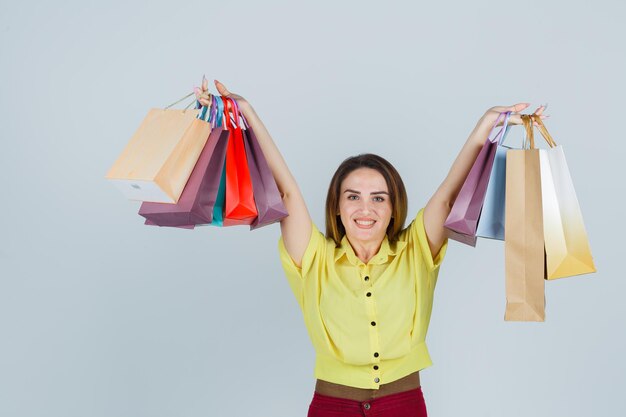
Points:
x=417 y=235
x=312 y=255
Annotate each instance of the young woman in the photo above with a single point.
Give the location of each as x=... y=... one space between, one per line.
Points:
x=366 y=287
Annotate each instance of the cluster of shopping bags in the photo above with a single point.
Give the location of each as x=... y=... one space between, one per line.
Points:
x=201 y=166
x=525 y=197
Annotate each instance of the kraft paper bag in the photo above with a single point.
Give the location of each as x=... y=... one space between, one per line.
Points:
x=463 y=219
x=566 y=244
x=197 y=201
x=157 y=161
x=523 y=234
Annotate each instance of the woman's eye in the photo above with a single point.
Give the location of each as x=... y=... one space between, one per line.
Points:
x=379 y=199
x=353 y=197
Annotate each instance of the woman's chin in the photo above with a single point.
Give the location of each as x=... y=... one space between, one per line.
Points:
x=365 y=234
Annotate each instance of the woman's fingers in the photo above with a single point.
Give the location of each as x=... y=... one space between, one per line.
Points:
x=515 y=119
x=221 y=88
x=540 y=109
x=513 y=109
x=201 y=94
x=204 y=97
x=539 y=112
x=203 y=91
x=516 y=108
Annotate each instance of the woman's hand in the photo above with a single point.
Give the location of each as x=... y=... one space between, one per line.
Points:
x=204 y=97
x=297 y=227
x=491 y=115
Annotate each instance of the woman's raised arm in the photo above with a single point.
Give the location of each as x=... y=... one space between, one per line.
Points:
x=440 y=204
x=295 y=228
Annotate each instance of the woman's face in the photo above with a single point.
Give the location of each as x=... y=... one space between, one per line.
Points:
x=365 y=206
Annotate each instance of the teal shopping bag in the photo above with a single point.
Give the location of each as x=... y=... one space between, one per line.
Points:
x=218 y=209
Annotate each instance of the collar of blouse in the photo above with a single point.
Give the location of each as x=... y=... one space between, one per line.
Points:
x=386 y=251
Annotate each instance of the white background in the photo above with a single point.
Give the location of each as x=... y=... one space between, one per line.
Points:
x=103 y=316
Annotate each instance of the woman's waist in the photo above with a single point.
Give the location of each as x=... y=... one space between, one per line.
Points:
x=331 y=389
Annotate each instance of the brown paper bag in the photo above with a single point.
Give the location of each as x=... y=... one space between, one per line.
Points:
x=523 y=234
x=159 y=158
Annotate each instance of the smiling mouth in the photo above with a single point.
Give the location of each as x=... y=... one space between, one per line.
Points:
x=365 y=224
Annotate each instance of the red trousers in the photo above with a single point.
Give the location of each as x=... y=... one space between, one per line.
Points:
x=402 y=404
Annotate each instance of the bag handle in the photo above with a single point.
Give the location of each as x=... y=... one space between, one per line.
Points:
x=184 y=98
x=529 y=137
x=227 y=109
x=233 y=109
x=528 y=120
x=241 y=121
x=500 y=133
x=205 y=109
x=219 y=111
x=213 y=112
x=542 y=129
x=505 y=128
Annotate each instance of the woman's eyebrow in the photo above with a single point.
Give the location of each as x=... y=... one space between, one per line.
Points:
x=349 y=190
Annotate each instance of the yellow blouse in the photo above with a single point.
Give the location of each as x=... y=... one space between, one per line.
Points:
x=367 y=322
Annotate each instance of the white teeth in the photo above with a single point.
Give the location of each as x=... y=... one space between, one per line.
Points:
x=365 y=222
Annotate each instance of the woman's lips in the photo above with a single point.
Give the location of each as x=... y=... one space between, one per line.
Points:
x=365 y=223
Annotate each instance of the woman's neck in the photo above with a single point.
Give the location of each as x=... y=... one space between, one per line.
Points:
x=365 y=250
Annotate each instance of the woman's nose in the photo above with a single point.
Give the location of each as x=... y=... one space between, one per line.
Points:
x=365 y=205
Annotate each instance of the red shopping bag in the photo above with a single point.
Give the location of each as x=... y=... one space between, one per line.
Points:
x=239 y=205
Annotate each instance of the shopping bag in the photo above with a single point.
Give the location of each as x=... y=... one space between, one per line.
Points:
x=523 y=234
x=157 y=161
x=197 y=200
x=186 y=226
x=267 y=198
x=491 y=221
x=462 y=221
x=566 y=244
x=239 y=207
x=216 y=118
x=218 y=210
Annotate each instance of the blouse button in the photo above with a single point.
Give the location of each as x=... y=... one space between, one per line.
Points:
x=369 y=294
x=366 y=278
x=373 y=323
x=375 y=354
x=376 y=367
x=377 y=380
